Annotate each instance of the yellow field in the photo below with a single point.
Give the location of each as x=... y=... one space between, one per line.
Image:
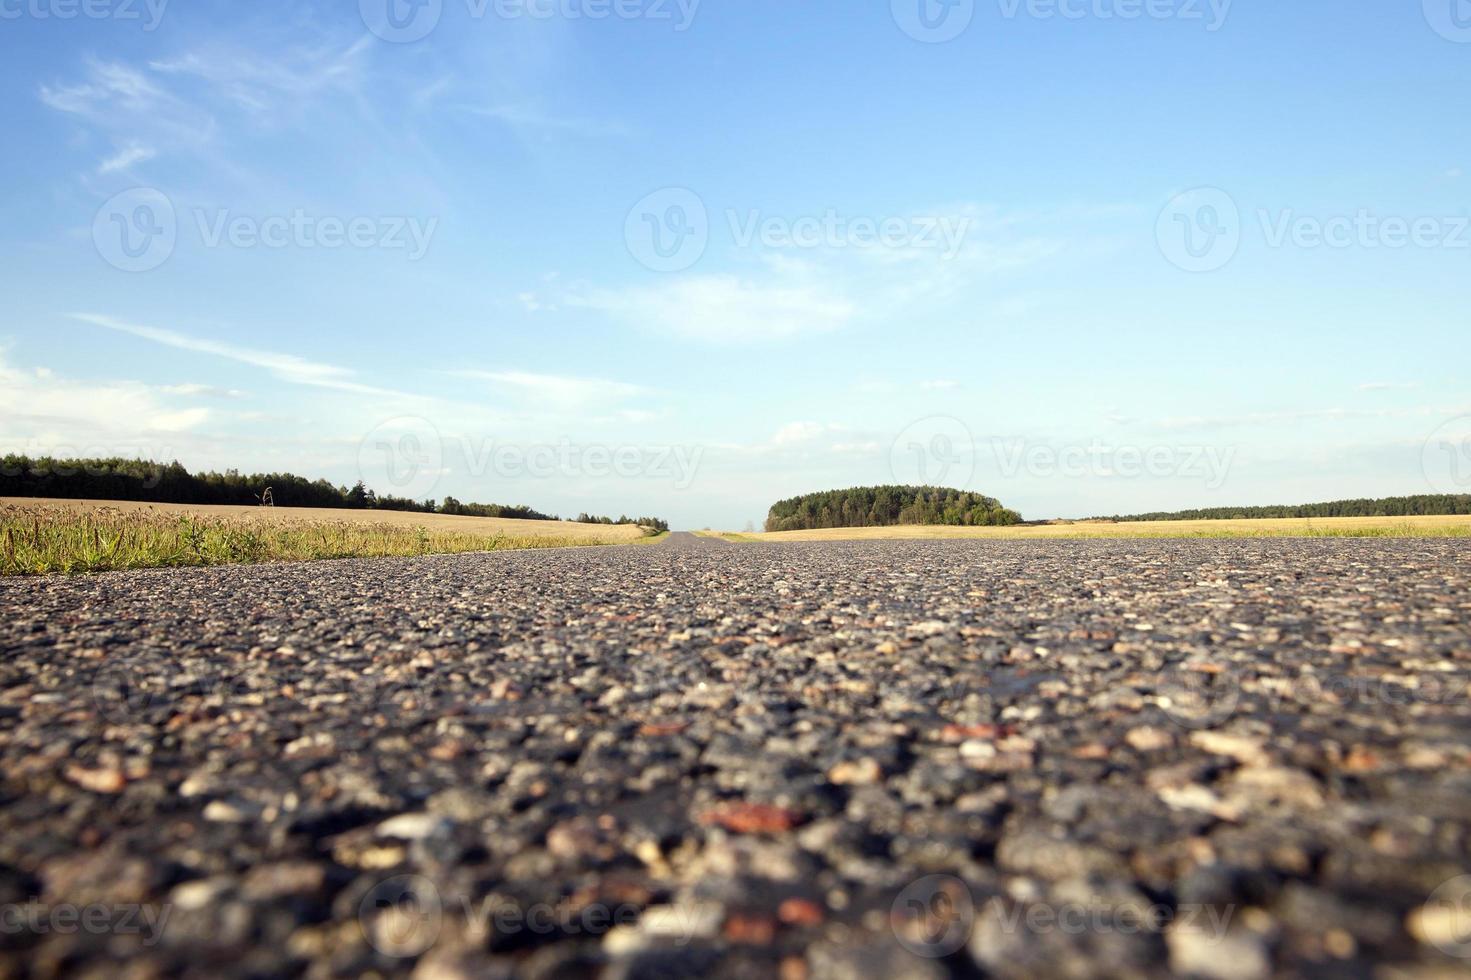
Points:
x=39 y=537
x=600 y=533
x=1389 y=527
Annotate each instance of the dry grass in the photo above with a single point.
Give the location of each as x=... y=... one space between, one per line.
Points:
x=41 y=537
x=1326 y=527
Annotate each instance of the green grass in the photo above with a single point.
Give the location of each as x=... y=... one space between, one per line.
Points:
x=48 y=541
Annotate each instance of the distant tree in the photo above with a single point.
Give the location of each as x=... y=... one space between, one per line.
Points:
x=887 y=506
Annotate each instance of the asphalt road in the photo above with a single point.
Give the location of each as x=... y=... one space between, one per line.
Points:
x=881 y=759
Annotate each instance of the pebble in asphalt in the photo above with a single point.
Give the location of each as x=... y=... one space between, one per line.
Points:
x=1226 y=759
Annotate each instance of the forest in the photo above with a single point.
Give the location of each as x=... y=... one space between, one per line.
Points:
x=171 y=483
x=1427 y=505
x=887 y=506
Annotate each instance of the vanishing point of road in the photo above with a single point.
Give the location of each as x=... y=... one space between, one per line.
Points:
x=1222 y=758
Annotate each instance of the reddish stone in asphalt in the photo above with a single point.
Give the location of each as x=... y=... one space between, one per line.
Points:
x=752 y=818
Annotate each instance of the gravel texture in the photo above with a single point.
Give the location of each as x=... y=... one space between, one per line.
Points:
x=1220 y=758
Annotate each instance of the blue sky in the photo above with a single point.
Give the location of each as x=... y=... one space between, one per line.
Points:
x=686 y=258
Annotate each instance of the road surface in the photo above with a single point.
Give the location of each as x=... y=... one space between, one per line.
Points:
x=885 y=759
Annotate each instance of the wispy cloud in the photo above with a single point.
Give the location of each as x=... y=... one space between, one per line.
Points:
x=1388 y=386
x=127 y=156
x=725 y=309
x=530 y=119
x=39 y=405
x=556 y=391
x=285 y=367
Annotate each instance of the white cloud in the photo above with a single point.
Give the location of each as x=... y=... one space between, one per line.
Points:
x=41 y=407
x=941 y=384
x=286 y=367
x=126 y=157
x=529 y=118
x=797 y=432
x=1388 y=386
x=557 y=391
x=725 y=309
x=205 y=391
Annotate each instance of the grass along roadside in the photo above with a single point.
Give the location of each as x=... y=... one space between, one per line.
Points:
x=40 y=540
x=1322 y=527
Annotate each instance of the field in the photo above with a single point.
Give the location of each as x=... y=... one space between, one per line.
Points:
x=40 y=537
x=1324 y=527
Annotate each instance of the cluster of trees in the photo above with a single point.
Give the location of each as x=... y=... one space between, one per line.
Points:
x=1420 y=506
x=171 y=483
x=653 y=522
x=517 y=511
x=887 y=506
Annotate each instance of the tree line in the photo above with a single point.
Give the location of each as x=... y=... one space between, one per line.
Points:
x=171 y=483
x=653 y=522
x=887 y=506
x=1424 y=505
